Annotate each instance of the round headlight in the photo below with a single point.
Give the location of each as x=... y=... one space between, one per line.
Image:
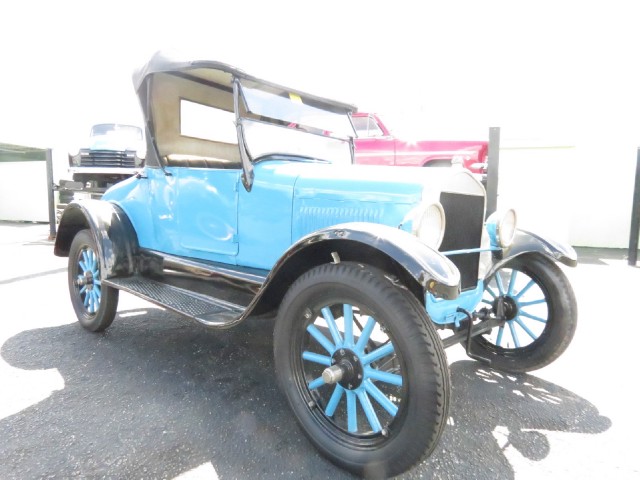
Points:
x=429 y=227
x=502 y=227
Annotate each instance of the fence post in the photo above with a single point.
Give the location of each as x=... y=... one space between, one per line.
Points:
x=635 y=216
x=493 y=167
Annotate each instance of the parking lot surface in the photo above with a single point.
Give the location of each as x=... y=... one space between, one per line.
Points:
x=158 y=396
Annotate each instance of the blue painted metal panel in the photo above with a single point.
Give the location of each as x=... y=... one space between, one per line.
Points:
x=189 y=212
x=132 y=196
x=264 y=216
x=207 y=211
x=352 y=194
x=444 y=312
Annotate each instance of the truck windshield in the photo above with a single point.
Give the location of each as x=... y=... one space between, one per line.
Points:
x=125 y=131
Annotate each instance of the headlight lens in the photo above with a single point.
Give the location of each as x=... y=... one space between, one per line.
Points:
x=502 y=228
x=429 y=227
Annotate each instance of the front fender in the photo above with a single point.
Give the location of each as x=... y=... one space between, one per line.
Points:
x=397 y=252
x=528 y=242
x=115 y=237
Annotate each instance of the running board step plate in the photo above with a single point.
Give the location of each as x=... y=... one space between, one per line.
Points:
x=207 y=310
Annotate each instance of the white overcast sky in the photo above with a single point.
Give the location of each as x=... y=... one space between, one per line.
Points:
x=567 y=67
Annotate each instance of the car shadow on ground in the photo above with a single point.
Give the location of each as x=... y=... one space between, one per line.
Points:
x=156 y=396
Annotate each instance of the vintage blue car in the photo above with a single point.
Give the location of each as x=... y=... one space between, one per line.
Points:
x=249 y=204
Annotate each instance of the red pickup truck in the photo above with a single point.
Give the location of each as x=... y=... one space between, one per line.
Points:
x=375 y=145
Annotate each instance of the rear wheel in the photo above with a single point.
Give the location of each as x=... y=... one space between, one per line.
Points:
x=362 y=368
x=539 y=308
x=95 y=305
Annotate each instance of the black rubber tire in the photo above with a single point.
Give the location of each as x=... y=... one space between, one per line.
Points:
x=562 y=318
x=416 y=428
x=103 y=317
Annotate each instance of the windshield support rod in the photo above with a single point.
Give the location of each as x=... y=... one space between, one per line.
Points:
x=247 y=166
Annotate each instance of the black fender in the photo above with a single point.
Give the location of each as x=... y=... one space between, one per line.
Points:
x=112 y=231
x=528 y=242
x=417 y=266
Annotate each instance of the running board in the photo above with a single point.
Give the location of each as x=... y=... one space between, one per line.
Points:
x=202 y=308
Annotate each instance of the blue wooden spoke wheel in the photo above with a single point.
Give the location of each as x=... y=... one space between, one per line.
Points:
x=538 y=308
x=362 y=368
x=95 y=305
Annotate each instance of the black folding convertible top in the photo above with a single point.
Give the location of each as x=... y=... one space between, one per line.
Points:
x=161 y=62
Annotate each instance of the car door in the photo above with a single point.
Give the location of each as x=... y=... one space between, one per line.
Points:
x=207 y=212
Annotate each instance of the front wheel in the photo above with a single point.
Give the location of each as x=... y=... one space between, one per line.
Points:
x=95 y=304
x=362 y=368
x=537 y=303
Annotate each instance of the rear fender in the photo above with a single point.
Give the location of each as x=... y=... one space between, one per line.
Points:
x=112 y=231
x=415 y=265
x=528 y=242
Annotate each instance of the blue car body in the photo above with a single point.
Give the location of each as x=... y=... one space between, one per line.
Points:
x=249 y=203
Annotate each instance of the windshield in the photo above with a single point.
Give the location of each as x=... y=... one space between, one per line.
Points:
x=123 y=131
x=366 y=127
x=287 y=123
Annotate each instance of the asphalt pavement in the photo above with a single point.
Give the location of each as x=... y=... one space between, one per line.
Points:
x=158 y=396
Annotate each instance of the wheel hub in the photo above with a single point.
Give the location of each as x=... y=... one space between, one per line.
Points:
x=84 y=279
x=346 y=369
x=507 y=305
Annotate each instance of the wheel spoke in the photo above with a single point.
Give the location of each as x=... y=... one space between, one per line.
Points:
x=85 y=260
x=500 y=284
x=514 y=334
x=490 y=291
x=90 y=262
x=378 y=353
x=525 y=328
x=317 y=358
x=352 y=413
x=368 y=410
x=95 y=266
x=533 y=302
x=385 y=377
x=499 y=337
x=321 y=339
x=86 y=299
x=318 y=382
x=525 y=289
x=348 y=325
x=532 y=317
x=334 y=400
x=333 y=328
x=381 y=398
x=366 y=333
x=512 y=282
x=96 y=300
x=92 y=302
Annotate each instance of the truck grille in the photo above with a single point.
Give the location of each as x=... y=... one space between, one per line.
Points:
x=107 y=158
x=465 y=221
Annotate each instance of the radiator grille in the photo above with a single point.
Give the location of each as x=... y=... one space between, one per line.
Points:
x=107 y=158
x=465 y=221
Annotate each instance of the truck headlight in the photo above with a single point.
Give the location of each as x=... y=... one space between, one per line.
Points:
x=430 y=224
x=502 y=228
